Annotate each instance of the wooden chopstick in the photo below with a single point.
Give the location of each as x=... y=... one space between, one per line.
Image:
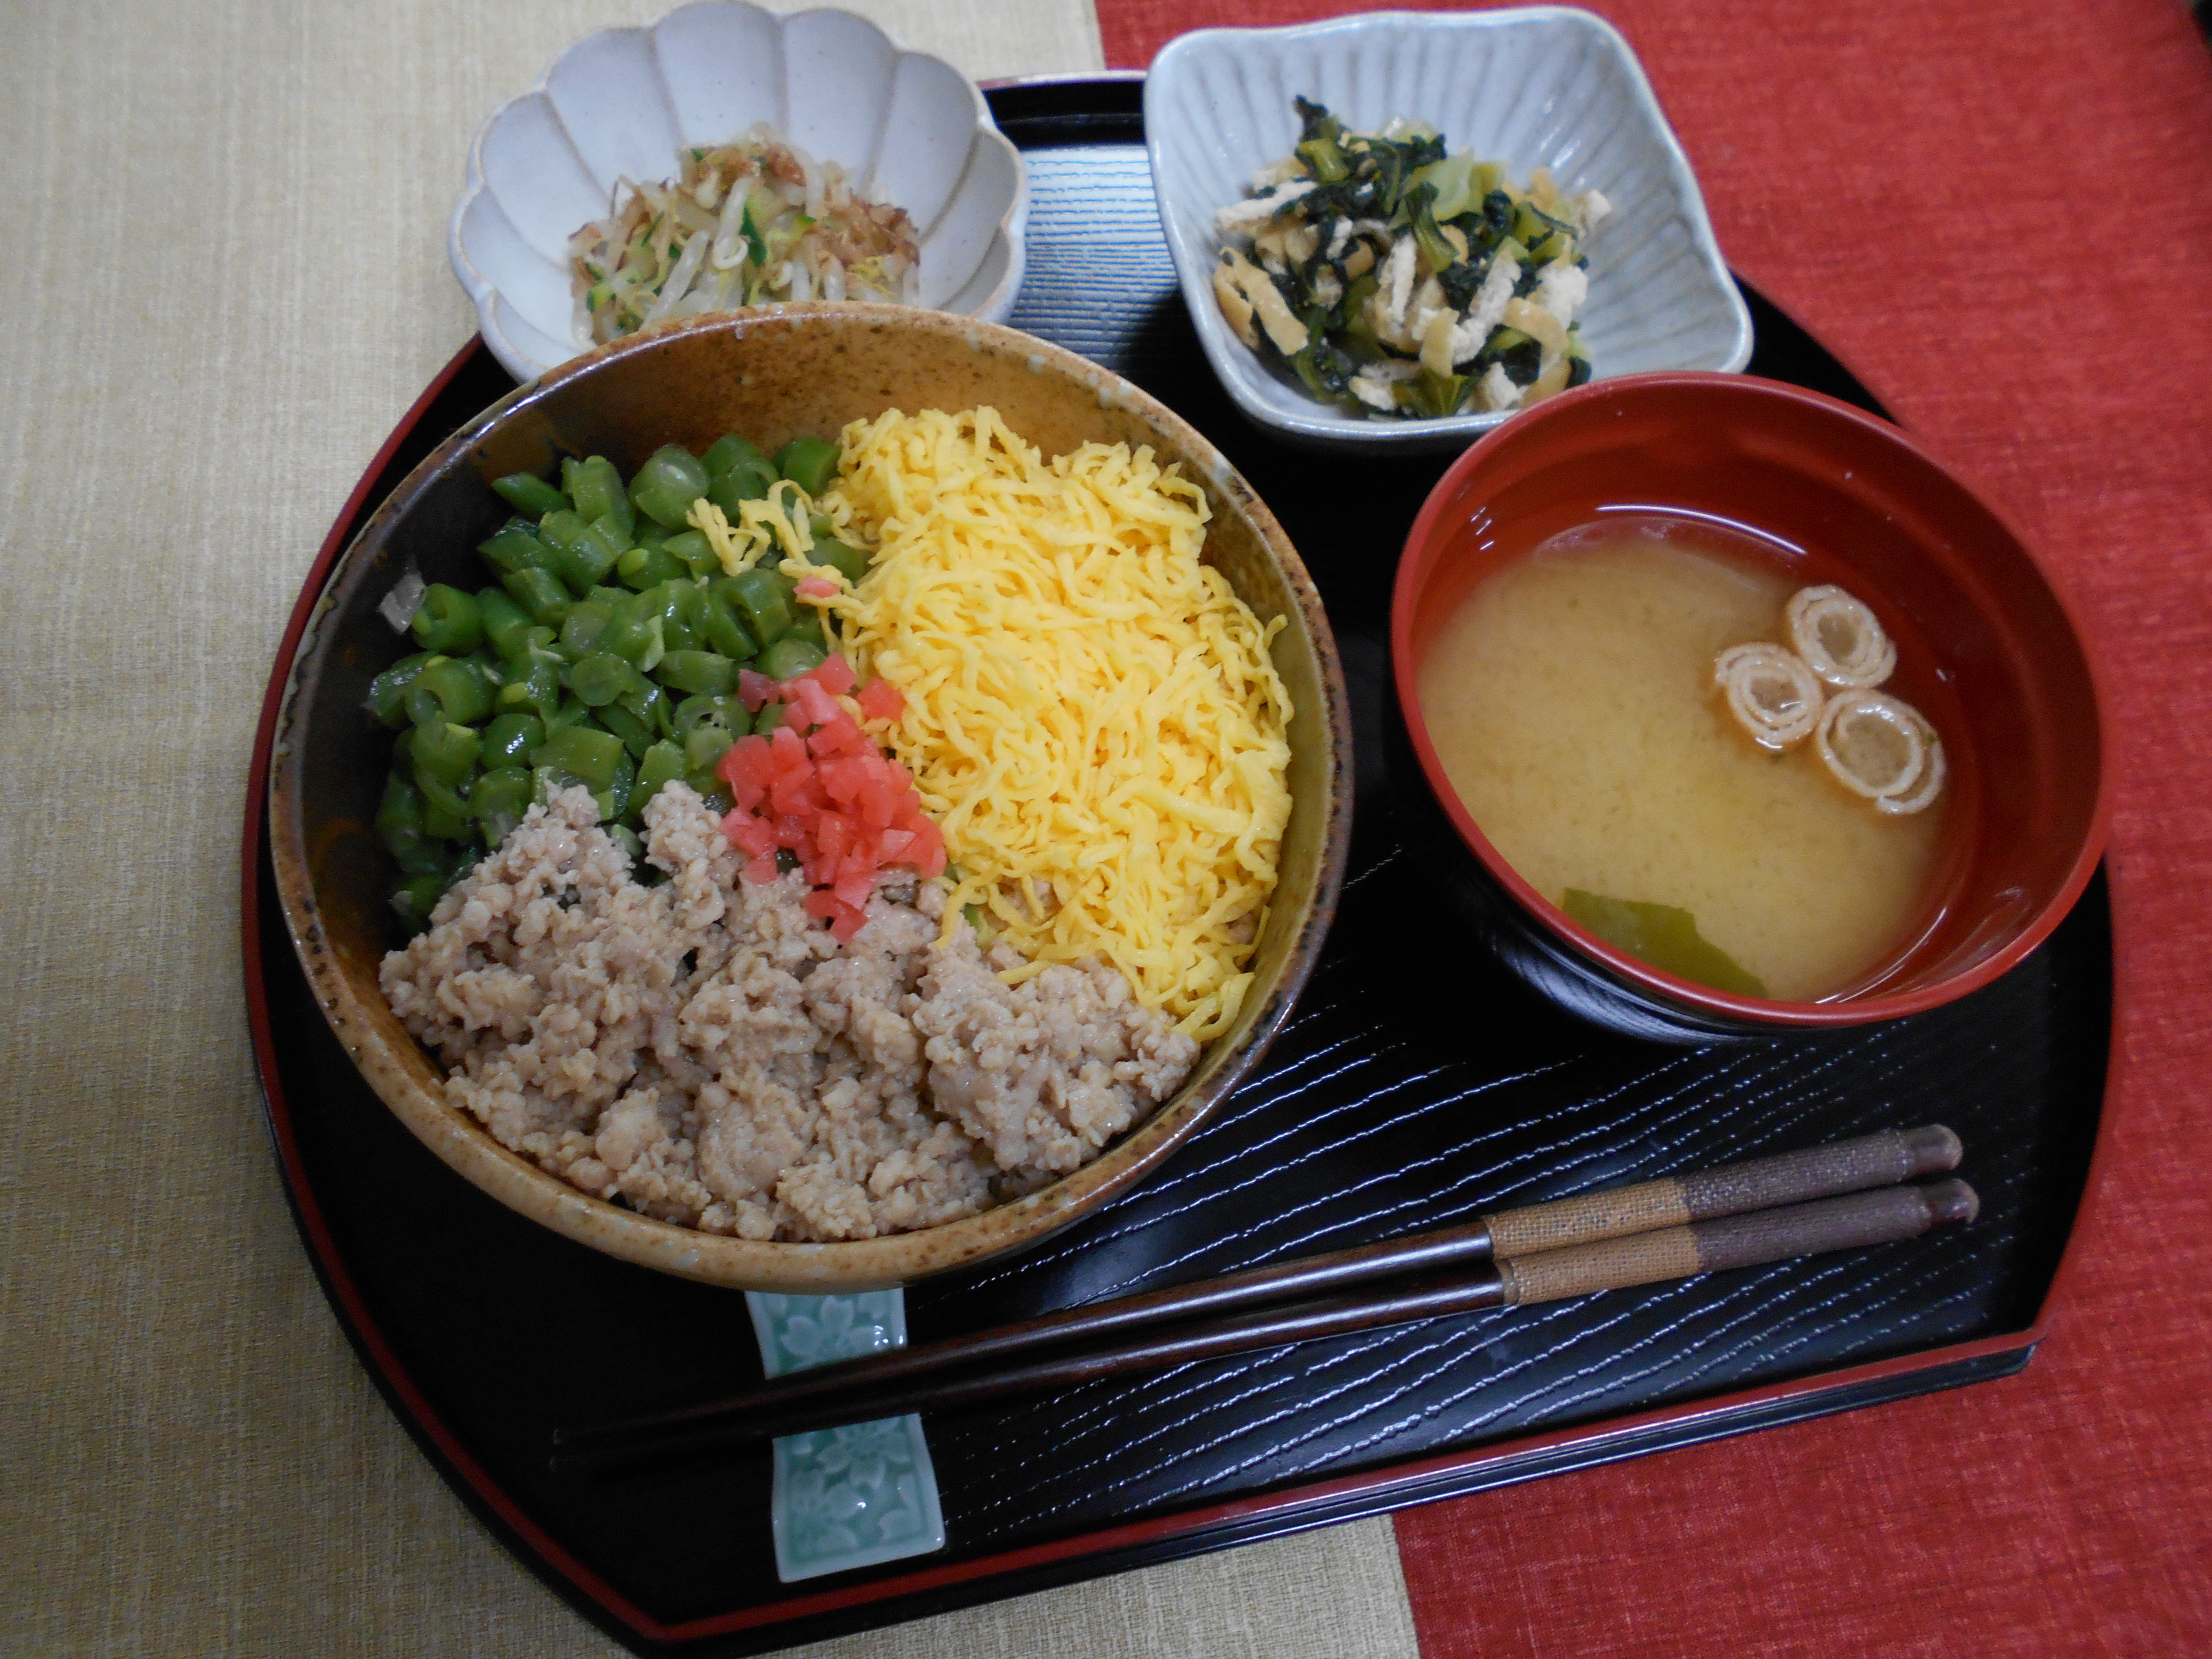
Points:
x=1649 y=1209
x=1741 y=1240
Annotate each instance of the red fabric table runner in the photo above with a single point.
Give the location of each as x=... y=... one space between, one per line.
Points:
x=2001 y=217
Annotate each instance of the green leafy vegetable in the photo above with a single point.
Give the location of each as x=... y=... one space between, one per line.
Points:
x=1664 y=935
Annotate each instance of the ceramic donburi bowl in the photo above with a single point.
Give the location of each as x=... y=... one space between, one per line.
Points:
x=773 y=375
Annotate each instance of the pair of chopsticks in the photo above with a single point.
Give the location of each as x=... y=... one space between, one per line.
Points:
x=1835 y=1197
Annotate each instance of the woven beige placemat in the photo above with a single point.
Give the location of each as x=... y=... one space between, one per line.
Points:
x=225 y=231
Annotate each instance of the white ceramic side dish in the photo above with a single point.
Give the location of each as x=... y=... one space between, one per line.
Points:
x=1542 y=85
x=621 y=103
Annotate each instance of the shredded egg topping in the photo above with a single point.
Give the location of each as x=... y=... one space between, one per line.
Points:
x=777 y=523
x=1091 y=714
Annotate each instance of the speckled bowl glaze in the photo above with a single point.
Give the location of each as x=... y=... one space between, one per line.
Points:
x=773 y=375
x=620 y=103
x=1538 y=85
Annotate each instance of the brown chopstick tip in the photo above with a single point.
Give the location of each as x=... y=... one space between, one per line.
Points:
x=1950 y=1203
x=1933 y=1148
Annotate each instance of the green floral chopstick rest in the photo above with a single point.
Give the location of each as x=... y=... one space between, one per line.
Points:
x=860 y=1493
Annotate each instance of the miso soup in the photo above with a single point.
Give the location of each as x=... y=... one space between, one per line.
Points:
x=1570 y=701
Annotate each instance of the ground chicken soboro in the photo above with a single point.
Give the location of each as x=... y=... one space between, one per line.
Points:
x=703 y=1050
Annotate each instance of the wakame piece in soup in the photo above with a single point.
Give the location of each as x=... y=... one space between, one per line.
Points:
x=1571 y=701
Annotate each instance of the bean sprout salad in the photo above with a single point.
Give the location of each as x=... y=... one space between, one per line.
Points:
x=751 y=221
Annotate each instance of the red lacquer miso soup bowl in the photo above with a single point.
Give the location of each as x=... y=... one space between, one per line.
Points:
x=1829 y=495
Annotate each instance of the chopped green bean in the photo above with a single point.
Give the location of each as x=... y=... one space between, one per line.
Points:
x=446 y=620
x=681 y=607
x=663 y=762
x=637 y=735
x=582 y=553
x=510 y=738
x=387 y=692
x=725 y=712
x=712 y=792
x=547 y=782
x=400 y=810
x=617 y=598
x=415 y=896
x=809 y=462
x=591 y=754
x=702 y=672
x=635 y=636
x=417 y=854
x=614 y=799
x=446 y=751
x=535 y=690
x=721 y=628
x=672 y=478
x=597 y=487
x=541 y=595
x=614 y=533
x=790 y=656
x=806 y=629
x=529 y=496
x=748 y=481
x=760 y=602
x=599 y=678
x=587 y=624
x=706 y=746
x=515 y=546
x=648 y=566
x=557 y=678
x=730 y=450
x=572 y=711
x=505 y=624
x=691 y=549
x=651 y=703
x=449 y=690
x=400 y=817
x=446 y=813
x=501 y=797
x=852 y=561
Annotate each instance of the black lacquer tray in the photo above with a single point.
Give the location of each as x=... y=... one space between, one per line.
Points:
x=1417 y=1084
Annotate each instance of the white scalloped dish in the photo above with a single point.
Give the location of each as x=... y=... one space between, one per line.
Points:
x=1545 y=85
x=908 y=128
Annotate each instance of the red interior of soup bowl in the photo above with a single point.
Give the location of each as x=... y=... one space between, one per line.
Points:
x=1986 y=645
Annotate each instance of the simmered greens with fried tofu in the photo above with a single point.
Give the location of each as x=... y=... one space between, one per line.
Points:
x=1394 y=278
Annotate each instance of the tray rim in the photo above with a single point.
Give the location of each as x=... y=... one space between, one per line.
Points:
x=1200 y=1529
